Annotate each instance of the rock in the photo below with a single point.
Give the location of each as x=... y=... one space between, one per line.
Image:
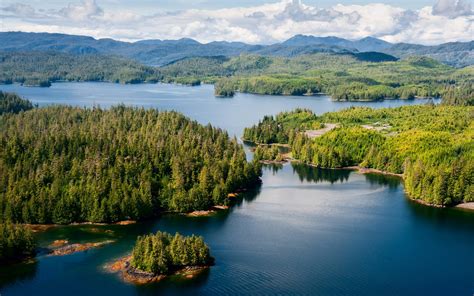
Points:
x=67 y=249
x=58 y=243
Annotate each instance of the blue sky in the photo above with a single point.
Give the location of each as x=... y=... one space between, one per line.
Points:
x=251 y=21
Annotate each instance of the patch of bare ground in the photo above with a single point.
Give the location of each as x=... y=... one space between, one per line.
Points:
x=319 y=132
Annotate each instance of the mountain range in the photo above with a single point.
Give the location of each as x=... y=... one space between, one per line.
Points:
x=163 y=52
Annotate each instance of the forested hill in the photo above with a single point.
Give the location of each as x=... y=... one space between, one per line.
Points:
x=432 y=146
x=42 y=68
x=346 y=77
x=64 y=164
x=162 y=52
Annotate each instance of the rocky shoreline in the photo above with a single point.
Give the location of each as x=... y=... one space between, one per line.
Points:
x=133 y=275
x=63 y=247
x=205 y=213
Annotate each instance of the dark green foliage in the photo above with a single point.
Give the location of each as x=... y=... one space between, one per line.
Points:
x=266 y=85
x=371 y=56
x=163 y=253
x=280 y=129
x=42 y=68
x=343 y=76
x=16 y=242
x=12 y=103
x=65 y=164
x=462 y=95
x=432 y=146
x=265 y=152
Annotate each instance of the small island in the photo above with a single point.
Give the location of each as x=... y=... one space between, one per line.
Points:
x=157 y=256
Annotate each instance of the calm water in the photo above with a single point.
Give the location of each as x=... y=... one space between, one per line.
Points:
x=199 y=103
x=304 y=231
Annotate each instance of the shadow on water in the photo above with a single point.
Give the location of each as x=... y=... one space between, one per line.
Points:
x=385 y=180
x=249 y=195
x=318 y=175
x=174 y=285
x=11 y=274
x=461 y=219
x=273 y=168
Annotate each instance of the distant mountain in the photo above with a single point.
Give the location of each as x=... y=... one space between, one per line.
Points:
x=457 y=54
x=365 y=44
x=163 y=52
x=152 y=52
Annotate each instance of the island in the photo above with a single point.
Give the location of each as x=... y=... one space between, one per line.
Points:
x=157 y=256
x=429 y=146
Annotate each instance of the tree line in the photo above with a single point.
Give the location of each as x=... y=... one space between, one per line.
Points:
x=343 y=77
x=16 y=242
x=432 y=146
x=66 y=164
x=12 y=103
x=43 y=68
x=163 y=253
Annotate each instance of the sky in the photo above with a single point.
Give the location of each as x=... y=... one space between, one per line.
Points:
x=252 y=21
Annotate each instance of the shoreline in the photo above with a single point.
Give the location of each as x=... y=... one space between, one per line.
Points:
x=44 y=227
x=469 y=206
x=135 y=276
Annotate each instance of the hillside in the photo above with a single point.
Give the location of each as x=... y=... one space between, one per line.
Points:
x=346 y=77
x=431 y=147
x=162 y=52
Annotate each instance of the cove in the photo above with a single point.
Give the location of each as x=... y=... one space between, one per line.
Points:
x=303 y=231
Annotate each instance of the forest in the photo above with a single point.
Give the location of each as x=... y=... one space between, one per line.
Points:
x=65 y=164
x=16 y=243
x=432 y=146
x=342 y=76
x=43 y=68
x=163 y=253
x=12 y=103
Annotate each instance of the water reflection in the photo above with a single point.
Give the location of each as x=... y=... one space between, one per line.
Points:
x=174 y=285
x=273 y=168
x=318 y=175
x=19 y=272
x=378 y=179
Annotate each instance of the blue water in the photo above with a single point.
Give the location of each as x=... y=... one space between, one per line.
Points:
x=305 y=231
x=199 y=103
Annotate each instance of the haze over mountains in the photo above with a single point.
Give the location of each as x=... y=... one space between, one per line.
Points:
x=162 y=52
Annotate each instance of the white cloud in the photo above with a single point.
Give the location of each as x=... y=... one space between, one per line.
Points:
x=452 y=8
x=447 y=20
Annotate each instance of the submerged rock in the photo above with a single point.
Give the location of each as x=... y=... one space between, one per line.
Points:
x=67 y=249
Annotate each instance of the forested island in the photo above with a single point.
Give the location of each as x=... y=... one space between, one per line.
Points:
x=44 y=68
x=432 y=147
x=156 y=256
x=345 y=77
x=65 y=164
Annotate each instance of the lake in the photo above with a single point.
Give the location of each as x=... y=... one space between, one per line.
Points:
x=304 y=231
